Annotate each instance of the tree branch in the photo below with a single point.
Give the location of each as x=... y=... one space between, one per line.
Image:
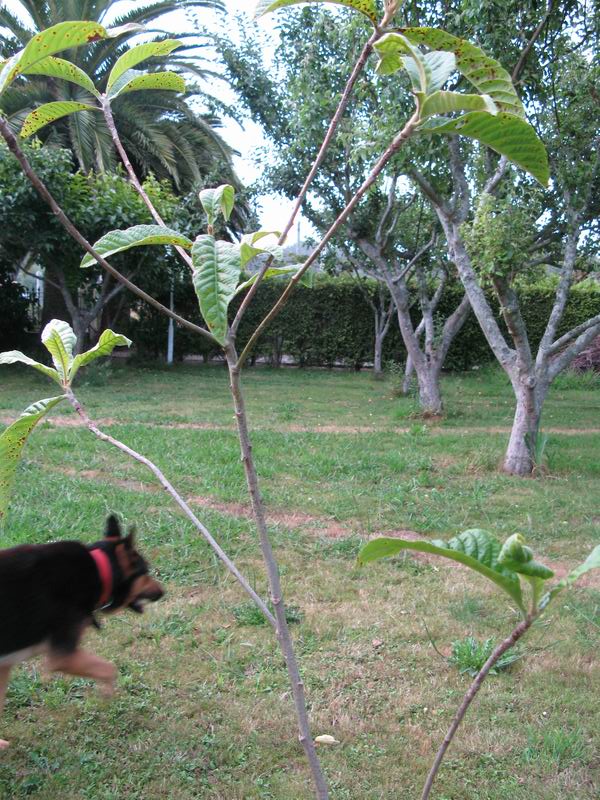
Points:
x=110 y=122
x=393 y=148
x=40 y=187
x=333 y=125
x=509 y=642
x=534 y=37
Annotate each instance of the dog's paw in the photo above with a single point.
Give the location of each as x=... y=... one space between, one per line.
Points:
x=4 y=744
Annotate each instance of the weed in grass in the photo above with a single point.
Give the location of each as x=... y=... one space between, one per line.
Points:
x=469 y=656
x=249 y=614
x=395 y=372
x=287 y=412
x=557 y=747
x=469 y=609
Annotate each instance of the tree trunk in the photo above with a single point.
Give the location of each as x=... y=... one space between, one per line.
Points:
x=378 y=356
x=408 y=376
x=430 y=396
x=521 y=456
x=80 y=328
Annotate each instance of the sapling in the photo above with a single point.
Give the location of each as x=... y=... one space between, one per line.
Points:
x=217 y=265
x=514 y=569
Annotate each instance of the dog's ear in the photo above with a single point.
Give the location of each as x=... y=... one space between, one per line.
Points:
x=113 y=528
x=130 y=539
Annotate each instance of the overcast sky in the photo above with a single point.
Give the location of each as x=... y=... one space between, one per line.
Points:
x=275 y=210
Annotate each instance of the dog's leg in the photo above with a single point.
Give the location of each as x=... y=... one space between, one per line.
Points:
x=4 y=676
x=86 y=665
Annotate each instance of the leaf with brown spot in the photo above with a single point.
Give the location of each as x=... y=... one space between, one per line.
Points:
x=59 y=37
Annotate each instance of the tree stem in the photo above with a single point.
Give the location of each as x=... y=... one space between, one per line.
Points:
x=474 y=688
x=392 y=149
x=283 y=633
x=333 y=125
x=110 y=122
x=177 y=498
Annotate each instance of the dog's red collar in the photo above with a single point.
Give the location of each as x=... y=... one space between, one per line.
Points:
x=105 y=574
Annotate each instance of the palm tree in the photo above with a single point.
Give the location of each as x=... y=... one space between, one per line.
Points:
x=161 y=133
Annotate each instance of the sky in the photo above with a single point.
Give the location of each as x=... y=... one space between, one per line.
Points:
x=274 y=210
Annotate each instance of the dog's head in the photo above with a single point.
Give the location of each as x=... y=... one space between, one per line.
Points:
x=132 y=584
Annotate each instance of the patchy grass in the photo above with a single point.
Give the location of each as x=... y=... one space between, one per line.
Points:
x=203 y=709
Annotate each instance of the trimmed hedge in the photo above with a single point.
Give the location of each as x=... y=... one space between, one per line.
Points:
x=333 y=324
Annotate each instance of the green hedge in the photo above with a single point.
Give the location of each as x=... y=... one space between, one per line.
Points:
x=332 y=323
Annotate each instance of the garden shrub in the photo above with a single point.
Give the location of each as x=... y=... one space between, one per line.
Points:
x=332 y=324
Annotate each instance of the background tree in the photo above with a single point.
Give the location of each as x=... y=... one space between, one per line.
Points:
x=503 y=226
x=553 y=56
x=30 y=235
x=161 y=132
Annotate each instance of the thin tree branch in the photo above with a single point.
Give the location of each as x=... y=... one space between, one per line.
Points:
x=436 y=199
x=110 y=122
x=44 y=279
x=282 y=628
x=333 y=125
x=177 y=498
x=573 y=334
x=509 y=642
x=41 y=188
x=393 y=148
x=585 y=338
x=534 y=37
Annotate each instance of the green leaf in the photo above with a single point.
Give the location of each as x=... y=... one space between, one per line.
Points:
x=506 y=134
x=50 y=112
x=52 y=40
x=250 y=247
x=137 y=236
x=591 y=562
x=440 y=65
x=391 y=49
x=59 y=68
x=474 y=548
x=59 y=339
x=137 y=54
x=12 y=442
x=135 y=81
x=366 y=7
x=106 y=344
x=485 y=73
x=15 y=356
x=517 y=557
x=218 y=200
x=446 y=102
x=216 y=274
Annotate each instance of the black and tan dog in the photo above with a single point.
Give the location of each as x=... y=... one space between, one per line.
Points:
x=49 y=595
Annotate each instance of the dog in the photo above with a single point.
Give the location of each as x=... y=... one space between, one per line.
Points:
x=50 y=593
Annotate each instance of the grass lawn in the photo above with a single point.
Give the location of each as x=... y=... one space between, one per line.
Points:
x=203 y=708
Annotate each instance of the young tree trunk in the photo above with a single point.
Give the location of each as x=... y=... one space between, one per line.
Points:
x=378 y=355
x=521 y=453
